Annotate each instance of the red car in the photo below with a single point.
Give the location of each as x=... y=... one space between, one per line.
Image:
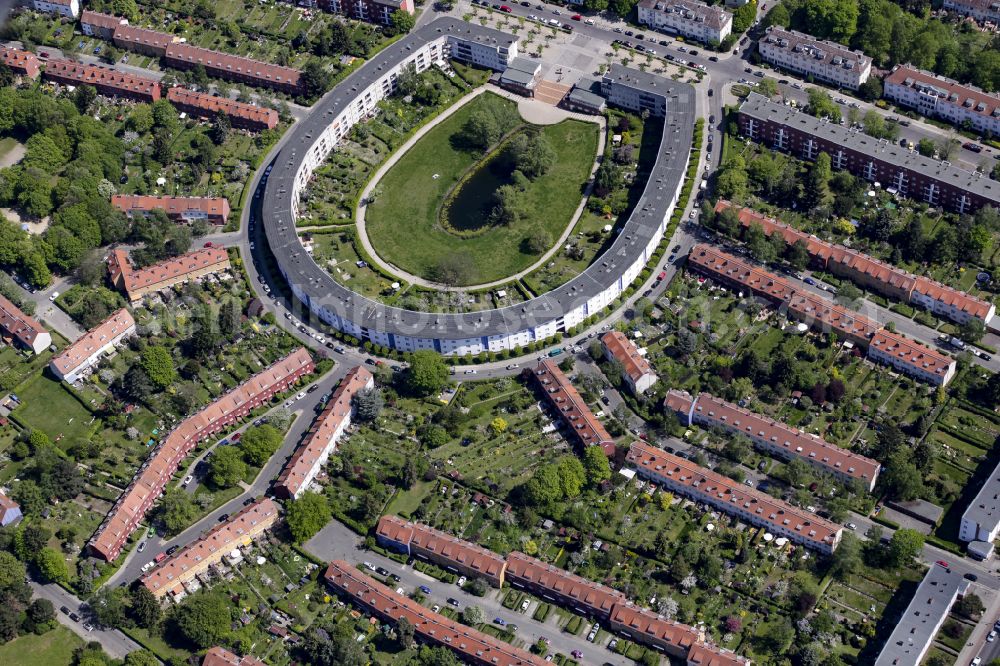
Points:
x=159 y=558
x=43 y=54
x=208 y=244
x=661 y=276
x=577 y=17
x=505 y=8
x=236 y=436
x=942 y=563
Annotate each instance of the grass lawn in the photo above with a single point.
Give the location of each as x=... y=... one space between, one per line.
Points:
x=403 y=222
x=53 y=648
x=48 y=406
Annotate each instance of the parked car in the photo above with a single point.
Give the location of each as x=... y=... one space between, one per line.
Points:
x=64 y=610
x=500 y=621
x=381 y=571
x=461 y=581
x=173 y=549
x=453 y=602
x=942 y=563
x=425 y=589
x=159 y=558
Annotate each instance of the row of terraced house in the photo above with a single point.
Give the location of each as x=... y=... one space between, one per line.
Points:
x=773 y=436
x=883 y=346
x=113 y=83
x=590 y=599
x=174 y=52
x=870 y=273
x=154 y=475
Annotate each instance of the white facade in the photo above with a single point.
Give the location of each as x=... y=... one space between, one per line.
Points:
x=981 y=10
x=823 y=61
x=688 y=18
x=80 y=357
x=365 y=102
x=69 y=8
x=981 y=521
x=938 y=97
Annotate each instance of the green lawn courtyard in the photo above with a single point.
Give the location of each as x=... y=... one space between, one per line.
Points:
x=403 y=223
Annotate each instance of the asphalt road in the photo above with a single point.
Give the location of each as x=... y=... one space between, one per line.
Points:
x=114 y=642
x=335 y=541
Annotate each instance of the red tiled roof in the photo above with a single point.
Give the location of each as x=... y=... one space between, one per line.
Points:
x=621 y=348
x=157 y=471
x=702 y=654
x=103 y=78
x=173 y=206
x=454 y=551
x=395 y=529
x=99 y=20
x=218 y=656
x=827 y=314
x=22 y=62
x=320 y=435
x=18 y=325
x=209 y=105
x=911 y=352
x=131 y=36
x=95 y=339
x=172 y=270
x=952 y=92
x=592 y=596
x=648 y=627
x=725 y=491
x=678 y=401
x=724 y=265
x=789 y=438
x=470 y=644
x=864 y=264
x=572 y=409
x=237 y=65
x=213 y=545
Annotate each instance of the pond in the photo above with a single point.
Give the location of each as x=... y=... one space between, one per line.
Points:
x=470 y=206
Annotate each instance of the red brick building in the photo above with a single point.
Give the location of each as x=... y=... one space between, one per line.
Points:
x=233 y=68
x=241 y=115
x=897 y=169
x=214 y=210
x=107 y=81
x=570 y=406
x=158 y=470
x=22 y=63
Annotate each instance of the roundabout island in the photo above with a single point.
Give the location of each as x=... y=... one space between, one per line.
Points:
x=451 y=229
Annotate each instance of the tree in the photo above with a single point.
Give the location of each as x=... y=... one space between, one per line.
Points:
x=544 y=488
x=315 y=78
x=229 y=319
x=402 y=22
x=107 y=607
x=41 y=612
x=904 y=546
x=972 y=330
x=12 y=571
x=259 y=443
x=203 y=619
x=926 y=147
x=508 y=206
x=473 y=616
x=481 y=130
x=532 y=154
x=595 y=465
x=84 y=97
x=758 y=244
x=537 y=241
x=427 y=374
x=367 y=404
x=145 y=608
x=9 y=623
x=158 y=365
x=51 y=565
x=405 y=633
x=847 y=558
x=227 y=467
x=127 y=8
x=307 y=515
x=817 y=187
x=970 y=605
x=900 y=478
x=141 y=658
x=732 y=180
x=221 y=125
x=176 y=511
x=767 y=86
x=334 y=646
x=572 y=476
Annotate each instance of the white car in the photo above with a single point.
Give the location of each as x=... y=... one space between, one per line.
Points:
x=589 y=21
x=461 y=581
x=188 y=479
x=435 y=608
x=54 y=296
x=146 y=566
x=300 y=395
x=992 y=636
x=470 y=372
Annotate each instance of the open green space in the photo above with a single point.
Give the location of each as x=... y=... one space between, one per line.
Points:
x=50 y=407
x=53 y=648
x=404 y=226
